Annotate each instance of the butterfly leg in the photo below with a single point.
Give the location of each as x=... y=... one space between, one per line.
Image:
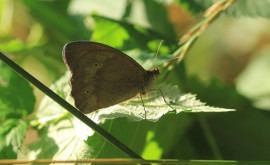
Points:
x=163 y=97
x=143 y=107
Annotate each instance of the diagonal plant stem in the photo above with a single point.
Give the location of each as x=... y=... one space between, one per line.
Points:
x=211 y=14
x=69 y=107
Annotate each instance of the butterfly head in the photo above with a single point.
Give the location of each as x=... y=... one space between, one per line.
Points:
x=156 y=71
x=150 y=79
x=153 y=73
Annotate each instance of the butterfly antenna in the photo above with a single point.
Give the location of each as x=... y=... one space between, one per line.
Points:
x=157 y=52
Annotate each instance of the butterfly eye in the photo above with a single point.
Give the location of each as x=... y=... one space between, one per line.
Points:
x=87 y=91
x=96 y=64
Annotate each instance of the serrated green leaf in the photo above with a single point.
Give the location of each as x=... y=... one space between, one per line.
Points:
x=58 y=141
x=12 y=133
x=156 y=107
x=16 y=135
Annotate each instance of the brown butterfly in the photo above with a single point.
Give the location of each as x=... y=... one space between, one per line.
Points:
x=103 y=76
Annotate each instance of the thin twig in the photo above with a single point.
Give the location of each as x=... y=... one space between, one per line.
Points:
x=211 y=14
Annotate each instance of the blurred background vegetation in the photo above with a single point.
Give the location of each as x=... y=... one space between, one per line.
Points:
x=228 y=66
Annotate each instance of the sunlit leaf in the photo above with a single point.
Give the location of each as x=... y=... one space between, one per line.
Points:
x=13 y=46
x=12 y=133
x=124 y=35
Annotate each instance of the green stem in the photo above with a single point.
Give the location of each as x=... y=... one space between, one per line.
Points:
x=191 y=36
x=68 y=107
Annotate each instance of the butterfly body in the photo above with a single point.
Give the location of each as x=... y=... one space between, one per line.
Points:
x=103 y=76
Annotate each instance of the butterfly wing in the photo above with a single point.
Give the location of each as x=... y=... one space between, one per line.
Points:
x=101 y=75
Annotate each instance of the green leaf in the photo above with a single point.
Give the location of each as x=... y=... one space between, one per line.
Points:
x=16 y=93
x=16 y=101
x=13 y=46
x=110 y=32
x=60 y=140
x=12 y=133
x=126 y=36
x=254 y=80
x=156 y=106
x=152 y=150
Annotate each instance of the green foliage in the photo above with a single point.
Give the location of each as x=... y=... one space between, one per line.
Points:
x=55 y=20
x=13 y=46
x=16 y=102
x=34 y=40
x=12 y=133
x=123 y=35
x=16 y=94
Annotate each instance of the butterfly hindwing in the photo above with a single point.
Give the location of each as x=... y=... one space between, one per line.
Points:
x=101 y=76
